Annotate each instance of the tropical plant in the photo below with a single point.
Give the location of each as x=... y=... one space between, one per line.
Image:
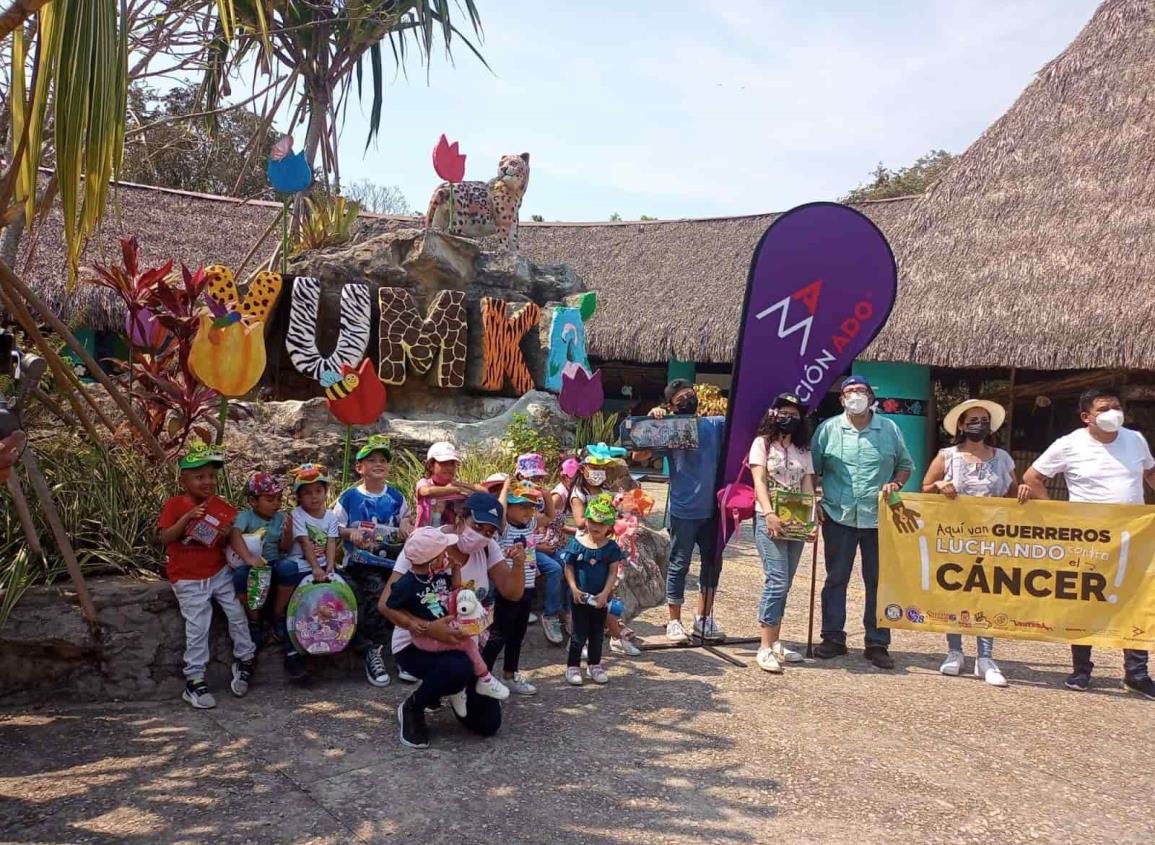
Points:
x=328 y=221
x=522 y=435
x=600 y=428
x=476 y=465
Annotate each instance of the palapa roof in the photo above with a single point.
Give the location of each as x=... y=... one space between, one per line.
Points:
x=1037 y=248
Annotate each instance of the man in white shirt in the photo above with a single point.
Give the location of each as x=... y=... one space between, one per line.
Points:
x=1104 y=463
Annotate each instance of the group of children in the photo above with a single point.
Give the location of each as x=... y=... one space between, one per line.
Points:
x=369 y=525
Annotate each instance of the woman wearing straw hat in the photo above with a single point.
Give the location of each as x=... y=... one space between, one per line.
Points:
x=973 y=466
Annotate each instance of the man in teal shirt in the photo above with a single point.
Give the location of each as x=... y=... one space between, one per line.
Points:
x=859 y=456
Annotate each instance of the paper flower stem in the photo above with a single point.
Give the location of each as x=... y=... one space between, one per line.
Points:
x=345 y=463
x=224 y=418
x=285 y=236
x=451 y=209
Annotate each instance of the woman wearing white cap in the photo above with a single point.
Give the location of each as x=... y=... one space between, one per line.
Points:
x=973 y=466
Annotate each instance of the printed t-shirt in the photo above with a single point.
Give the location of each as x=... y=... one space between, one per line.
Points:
x=1109 y=473
x=474 y=576
x=188 y=560
x=436 y=512
x=249 y=522
x=317 y=530
x=786 y=466
x=526 y=534
x=591 y=567
x=380 y=513
x=424 y=596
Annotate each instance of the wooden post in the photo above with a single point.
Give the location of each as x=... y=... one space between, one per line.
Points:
x=24 y=515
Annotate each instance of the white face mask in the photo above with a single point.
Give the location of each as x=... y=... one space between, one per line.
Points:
x=856 y=403
x=471 y=540
x=1109 y=421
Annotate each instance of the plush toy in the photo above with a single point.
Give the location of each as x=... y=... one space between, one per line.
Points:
x=632 y=505
x=468 y=612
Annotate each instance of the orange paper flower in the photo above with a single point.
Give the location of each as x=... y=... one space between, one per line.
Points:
x=228 y=358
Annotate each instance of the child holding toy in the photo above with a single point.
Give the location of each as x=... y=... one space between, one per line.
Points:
x=265 y=520
x=429 y=591
x=309 y=541
x=511 y=618
x=531 y=468
x=199 y=576
x=374 y=519
x=439 y=493
x=591 y=571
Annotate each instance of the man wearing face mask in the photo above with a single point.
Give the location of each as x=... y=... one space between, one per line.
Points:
x=859 y=456
x=693 y=515
x=1106 y=463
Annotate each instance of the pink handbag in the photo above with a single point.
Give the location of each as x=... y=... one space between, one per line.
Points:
x=736 y=501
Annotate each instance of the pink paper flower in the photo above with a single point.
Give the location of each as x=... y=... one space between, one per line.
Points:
x=447 y=161
x=582 y=394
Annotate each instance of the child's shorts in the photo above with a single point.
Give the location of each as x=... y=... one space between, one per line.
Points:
x=287 y=573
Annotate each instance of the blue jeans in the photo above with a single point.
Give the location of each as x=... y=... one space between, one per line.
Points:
x=684 y=535
x=286 y=573
x=241 y=581
x=841 y=543
x=550 y=569
x=986 y=644
x=779 y=563
x=444 y=673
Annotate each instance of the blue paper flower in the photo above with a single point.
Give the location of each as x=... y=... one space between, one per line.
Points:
x=288 y=172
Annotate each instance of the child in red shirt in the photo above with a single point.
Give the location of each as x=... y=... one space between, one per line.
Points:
x=199 y=575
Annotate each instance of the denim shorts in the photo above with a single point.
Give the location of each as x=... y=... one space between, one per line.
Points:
x=287 y=572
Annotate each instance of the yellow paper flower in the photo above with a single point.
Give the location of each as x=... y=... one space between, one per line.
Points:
x=230 y=358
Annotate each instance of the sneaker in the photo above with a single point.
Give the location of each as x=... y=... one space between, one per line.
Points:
x=405 y=677
x=675 y=633
x=375 y=672
x=709 y=630
x=457 y=702
x=828 y=649
x=242 y=672
x=490 y=687
x=768 y=661
x=953 y=665
x=551 y=625
x=586 y=652
x=879 y=656
x=573 y=676
x=196 y=693
x=620 y=645
x=1140 y=686
x=1078 y=681
x=533 y=617
x=988 y=670
x=414 y=733
x=599 y=675
x=295 y=668
x=786 y=655
x=519 y=685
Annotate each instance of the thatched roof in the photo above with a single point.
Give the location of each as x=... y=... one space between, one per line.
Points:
x=1037 y=248
x=667 y=288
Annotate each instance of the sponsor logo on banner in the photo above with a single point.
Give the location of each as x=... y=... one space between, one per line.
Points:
x=894 y=612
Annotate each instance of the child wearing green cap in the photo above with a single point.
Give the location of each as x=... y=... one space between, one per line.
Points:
x=199 y=576
x=591 y=571
x=374 y=519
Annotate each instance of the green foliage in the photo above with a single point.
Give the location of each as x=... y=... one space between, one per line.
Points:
x=409 y=467
x=915 y=179
x=600 y=428
x=537 y=218
x=615 y=218
x=524 y=436
x=645 y=218
x=328 y=221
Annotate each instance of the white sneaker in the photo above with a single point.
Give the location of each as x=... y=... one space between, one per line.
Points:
x=988 y=670
x=709 y=630
x=767 y=660
x=786 y=655
x=599 y=675
x=533 y=618
x=457 y=702
x=402 y=675
x=954 y=663
x=620 y=645
x=586 y=652
x=675 y=633
x=520 y=685
x=573 y=676
x=490 y=687
x=198 y=695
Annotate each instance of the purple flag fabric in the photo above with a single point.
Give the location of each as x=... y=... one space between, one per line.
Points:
x=822 y=283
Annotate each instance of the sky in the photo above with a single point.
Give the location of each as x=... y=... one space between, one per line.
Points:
x=704 y=108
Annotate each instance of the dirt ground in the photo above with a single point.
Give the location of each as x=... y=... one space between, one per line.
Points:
x=681 y=747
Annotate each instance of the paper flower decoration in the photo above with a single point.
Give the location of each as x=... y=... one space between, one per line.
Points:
x=144 y=330
x=582 y=394
x=288 y=172
x=228 y=354
x=355 y=396
x=447 y=161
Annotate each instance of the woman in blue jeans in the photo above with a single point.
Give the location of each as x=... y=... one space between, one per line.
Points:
x=779 y=460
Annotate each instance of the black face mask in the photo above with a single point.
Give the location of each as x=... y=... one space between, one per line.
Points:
x=788 y=425
x=976 y=432
x=687 y=407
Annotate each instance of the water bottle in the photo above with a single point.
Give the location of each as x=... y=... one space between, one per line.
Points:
x=590 y=599
x=616 y=607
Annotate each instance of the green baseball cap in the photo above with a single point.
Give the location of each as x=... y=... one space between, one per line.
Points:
x=375 y=443
x=202 y=454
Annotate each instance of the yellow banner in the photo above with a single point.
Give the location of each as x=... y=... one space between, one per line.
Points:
x=1054 y=571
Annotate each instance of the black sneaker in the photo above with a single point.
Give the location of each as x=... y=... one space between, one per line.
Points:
x=196 y=693
x=879 y=656
x=295 y=667
x=375 y=671
x=1140 y=686
x=242 y=672
x=414 y=733
x=828 y=649
x=1078 y=681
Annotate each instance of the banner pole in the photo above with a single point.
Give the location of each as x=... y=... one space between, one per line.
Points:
x=813 y=582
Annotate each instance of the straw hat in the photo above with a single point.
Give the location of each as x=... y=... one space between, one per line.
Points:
x=998 y=414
